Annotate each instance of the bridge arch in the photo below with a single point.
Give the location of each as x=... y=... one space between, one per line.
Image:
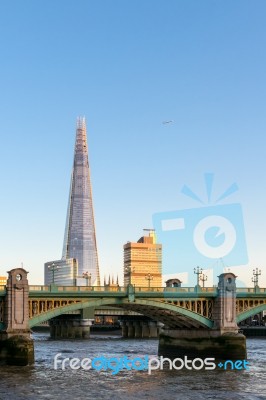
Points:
x=249 y=313
x=150 y=308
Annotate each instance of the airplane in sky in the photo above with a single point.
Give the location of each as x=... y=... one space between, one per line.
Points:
x=167 y=122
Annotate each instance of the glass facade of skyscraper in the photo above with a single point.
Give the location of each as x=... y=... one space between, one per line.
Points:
x=80 y=237
x=61 y=272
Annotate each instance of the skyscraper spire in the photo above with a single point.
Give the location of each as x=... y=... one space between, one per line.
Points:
x=80 y=237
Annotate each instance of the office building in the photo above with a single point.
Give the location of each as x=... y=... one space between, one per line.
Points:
x=143 y=261
x=62 y=272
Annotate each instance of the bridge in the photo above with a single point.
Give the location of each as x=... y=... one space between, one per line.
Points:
x=199 y=312
x=176 y=307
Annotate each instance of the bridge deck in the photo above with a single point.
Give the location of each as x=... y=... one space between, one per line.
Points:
x=181 y=306
x=42 y=291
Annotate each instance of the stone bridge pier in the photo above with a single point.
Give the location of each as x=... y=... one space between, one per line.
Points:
x=67 y=327
x=222 y=342
x=16 y=346
x=140 y=329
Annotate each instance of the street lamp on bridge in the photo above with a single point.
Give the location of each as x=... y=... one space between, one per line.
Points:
x=203 y=278
x=255 y=278
x=198 y=272
x=149 y=278
x=53 y=267
x=87 y=275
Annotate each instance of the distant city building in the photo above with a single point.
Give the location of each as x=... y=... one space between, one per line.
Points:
x=3 y=280
x=143 y=262
x=62 y=272
x=80 y=237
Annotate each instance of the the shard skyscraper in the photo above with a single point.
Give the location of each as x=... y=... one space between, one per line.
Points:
x=80 y=239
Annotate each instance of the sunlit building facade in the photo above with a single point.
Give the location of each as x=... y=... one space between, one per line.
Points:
x=143 y=262
x=3 y=280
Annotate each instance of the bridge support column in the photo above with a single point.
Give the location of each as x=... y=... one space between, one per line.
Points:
x=222 y=342
x=201 y=343
x=63 y=331
x=52 y=331
x=124 y=329
x=145 y=330
x=87 y=313
x=77 y=329
x=153 y=329
x=64 y=327
x=138 y=329
x=16 y=346
x=86 y=327
x=130 y=329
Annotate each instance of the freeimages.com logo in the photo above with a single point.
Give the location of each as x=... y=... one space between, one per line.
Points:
x=200 y=236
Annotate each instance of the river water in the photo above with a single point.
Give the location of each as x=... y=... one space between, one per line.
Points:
x=42 y=381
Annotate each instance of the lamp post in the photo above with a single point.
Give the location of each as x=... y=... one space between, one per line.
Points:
x=203 y=279
x=255 y=278
x=198 y=272
x=53 y=267
x=86 y=275
x=149 y=278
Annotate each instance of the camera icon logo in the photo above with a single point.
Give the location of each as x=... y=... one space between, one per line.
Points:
x=208 y=230
x=203 y=235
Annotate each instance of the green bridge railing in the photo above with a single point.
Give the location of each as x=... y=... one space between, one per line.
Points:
x=122 y=289
x=72 y=289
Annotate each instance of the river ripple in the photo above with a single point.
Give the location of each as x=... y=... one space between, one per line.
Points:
x=41 y=381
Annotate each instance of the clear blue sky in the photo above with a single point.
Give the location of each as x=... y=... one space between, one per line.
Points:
x=127 y=66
